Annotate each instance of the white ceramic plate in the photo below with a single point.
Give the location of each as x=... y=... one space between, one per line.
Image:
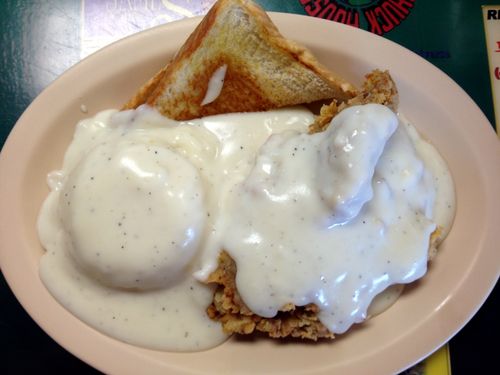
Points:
x=426 y=316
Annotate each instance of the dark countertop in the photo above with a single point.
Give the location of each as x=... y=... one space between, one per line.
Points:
x=40 y=40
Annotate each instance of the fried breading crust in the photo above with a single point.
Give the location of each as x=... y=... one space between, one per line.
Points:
x=292 y=321
x=228 y=308
x=378 y=88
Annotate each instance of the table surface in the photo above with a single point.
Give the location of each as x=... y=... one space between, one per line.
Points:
x=39 y=40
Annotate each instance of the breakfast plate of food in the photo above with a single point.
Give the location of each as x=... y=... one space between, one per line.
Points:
x=235 y=194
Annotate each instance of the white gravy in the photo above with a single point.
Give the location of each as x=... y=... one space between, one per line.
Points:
x=142 y=206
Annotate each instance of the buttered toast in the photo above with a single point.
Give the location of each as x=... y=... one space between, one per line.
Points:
x=237 y=61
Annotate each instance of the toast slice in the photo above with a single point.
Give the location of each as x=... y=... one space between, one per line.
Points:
x=292 y=321
x=237 y=61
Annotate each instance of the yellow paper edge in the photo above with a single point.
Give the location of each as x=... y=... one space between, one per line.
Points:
x=439 y=362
